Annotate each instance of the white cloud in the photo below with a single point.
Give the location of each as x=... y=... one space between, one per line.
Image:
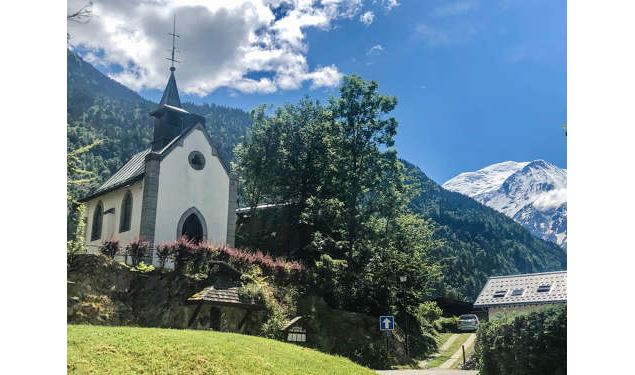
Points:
x=436 y=36
x=222 y=43
x=551 y=199
x=375 y=50
x=389 y=4
x=367 y=18
x=455 y=8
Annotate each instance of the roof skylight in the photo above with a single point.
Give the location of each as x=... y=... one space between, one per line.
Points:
x=500 y=293
x=518 y=292
x=544 y=288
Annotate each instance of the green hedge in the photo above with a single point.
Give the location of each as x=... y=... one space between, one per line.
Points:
x=447 y=325
x=529 y=344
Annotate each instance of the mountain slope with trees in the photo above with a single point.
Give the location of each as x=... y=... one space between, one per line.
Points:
x=478 y=241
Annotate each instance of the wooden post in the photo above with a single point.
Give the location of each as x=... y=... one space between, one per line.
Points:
x=463 y=347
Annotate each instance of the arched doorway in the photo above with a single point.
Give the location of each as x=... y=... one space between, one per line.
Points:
x=192 y=228
x=192 y=224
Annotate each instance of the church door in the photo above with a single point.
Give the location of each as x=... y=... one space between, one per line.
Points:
x=192 y=228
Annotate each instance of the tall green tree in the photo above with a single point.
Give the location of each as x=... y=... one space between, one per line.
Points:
x=334 y=168
x=77 y=177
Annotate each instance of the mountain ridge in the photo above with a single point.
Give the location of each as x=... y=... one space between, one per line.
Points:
x=532 y=193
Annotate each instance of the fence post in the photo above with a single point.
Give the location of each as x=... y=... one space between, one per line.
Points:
x=463 y=348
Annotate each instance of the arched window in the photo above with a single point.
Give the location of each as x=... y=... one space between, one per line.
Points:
x=126 y=212
x=98 y=217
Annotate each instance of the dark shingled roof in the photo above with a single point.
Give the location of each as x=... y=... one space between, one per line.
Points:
x=527 y=289
x=292 y=322
x=224 y=294
x=132 y=171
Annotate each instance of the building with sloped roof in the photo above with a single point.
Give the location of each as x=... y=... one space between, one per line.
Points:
x=176 y=187
x=515 y=293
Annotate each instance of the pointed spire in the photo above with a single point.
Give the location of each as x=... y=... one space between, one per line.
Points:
x=171 y=93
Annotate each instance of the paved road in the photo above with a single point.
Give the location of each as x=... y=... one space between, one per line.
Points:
x=428 y=372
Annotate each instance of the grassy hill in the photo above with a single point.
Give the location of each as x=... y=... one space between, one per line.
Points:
x=130 y=350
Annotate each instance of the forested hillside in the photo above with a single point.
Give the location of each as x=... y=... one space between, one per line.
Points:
x=101 y=109
x=478 y=241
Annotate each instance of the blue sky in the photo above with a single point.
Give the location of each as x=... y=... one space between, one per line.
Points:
x=477 y=82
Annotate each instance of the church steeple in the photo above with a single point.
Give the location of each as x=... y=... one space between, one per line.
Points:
x=169 y=116
x=171 y=93
x=170 y=119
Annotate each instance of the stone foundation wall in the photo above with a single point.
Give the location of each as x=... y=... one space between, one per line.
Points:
x=105 y=292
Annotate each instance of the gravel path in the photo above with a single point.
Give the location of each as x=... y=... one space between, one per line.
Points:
x=428 y=372
x=458 y=355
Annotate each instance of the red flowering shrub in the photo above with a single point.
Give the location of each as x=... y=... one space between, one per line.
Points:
x=165 y=251
x=183 y=253
x=137 y=249
x=110 y=248
x=266 y=262
x=190 y=257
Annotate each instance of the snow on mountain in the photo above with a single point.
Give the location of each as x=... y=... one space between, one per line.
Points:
x=484 y=180
x=532 y=193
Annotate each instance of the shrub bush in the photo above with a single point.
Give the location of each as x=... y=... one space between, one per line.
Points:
x=190 y=257
x=137 y=249
x=257 y=288
x=165 y=251
x=534 y=343
x=422 y=339
x=110 y=248
x=183 y=254
x=142 y=268
x=447 y=325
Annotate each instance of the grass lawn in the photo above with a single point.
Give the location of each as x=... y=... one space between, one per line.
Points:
x=445 y=355
x=442 y=338
x=131 y=350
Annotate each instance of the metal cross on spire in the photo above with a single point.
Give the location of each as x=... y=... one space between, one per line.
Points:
x=174 y=36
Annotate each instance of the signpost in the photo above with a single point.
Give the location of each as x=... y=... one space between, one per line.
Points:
x=386 y=323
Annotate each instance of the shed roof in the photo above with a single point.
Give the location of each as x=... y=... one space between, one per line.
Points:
x=526 y=289
x=224 y=294
x=292 y=322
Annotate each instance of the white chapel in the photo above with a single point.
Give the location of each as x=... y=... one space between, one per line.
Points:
x=177 y=186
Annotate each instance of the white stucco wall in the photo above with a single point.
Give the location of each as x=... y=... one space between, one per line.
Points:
x=110 y=226
x=182 y=187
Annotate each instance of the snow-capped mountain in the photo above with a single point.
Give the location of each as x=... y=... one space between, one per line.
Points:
x=532 y=193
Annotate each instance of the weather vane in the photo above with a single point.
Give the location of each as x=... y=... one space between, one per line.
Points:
x=174 y=36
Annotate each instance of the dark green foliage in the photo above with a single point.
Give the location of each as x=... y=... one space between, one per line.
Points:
x=527 y=344
x=478 y=241
x=110 y=248
x=448 y=325
x=137 y=249
x=164 y=252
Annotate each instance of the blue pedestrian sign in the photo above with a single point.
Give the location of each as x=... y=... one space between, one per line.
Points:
x=386 y=323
